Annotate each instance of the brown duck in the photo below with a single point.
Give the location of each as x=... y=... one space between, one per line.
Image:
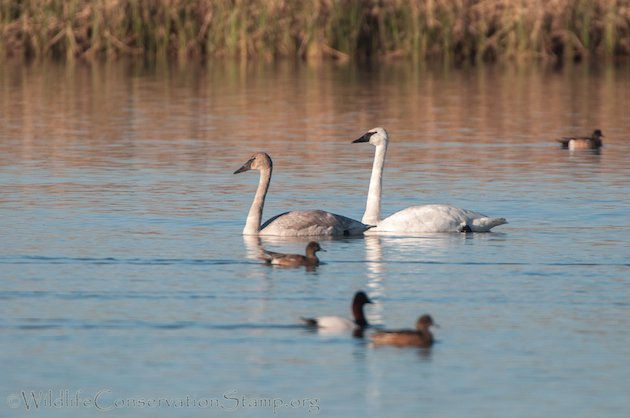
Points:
x=420 y=337
x=295 y=260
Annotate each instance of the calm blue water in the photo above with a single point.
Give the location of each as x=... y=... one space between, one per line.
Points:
x=127 y=287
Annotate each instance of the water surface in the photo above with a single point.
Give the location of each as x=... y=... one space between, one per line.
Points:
x=125 y=277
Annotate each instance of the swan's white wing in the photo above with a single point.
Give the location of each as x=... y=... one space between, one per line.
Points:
x=437 y=218
x=312 y=223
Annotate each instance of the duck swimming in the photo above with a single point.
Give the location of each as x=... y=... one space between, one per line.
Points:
x=583 y=142
x=341 y=324
x=295 y=223
x=420 y=337
x=295 y=260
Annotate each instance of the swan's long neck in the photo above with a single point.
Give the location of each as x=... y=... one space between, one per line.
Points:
x=372 y=215
x=252 y=226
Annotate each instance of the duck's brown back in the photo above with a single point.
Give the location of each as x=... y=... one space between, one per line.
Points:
x=403 y=338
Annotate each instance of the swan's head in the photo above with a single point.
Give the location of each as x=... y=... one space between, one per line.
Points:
x=377 y=136
x=258 y=161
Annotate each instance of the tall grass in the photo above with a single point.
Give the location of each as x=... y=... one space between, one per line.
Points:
x=455 y=30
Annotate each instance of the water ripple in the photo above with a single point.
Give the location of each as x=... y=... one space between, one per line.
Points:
x=29 y=259
x=64 y=323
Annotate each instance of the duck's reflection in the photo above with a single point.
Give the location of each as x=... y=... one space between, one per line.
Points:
x=586 y=155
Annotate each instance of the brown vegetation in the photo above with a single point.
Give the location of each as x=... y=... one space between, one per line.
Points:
x=453 y=30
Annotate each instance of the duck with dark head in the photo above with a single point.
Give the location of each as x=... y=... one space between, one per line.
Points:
x=338 y=324
x=583 y=142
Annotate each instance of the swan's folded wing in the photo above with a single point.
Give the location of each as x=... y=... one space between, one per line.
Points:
x=427 y=218
x=312 y=222
x=437 y=218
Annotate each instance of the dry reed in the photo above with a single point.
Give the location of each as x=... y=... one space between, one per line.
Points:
x=453 y=30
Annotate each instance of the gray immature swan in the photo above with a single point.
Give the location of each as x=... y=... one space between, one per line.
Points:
x=295 y=223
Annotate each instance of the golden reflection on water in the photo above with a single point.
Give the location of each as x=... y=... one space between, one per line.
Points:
x=86 y=115
x=481 y=124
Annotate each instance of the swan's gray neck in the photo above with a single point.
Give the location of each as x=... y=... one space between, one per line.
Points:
x=252 y=226
x=372 y=215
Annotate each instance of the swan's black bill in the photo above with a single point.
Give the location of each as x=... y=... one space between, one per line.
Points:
x=246 y=167
x=364 y=138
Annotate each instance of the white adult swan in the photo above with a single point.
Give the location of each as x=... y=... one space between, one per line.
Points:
x=425 y=218
x=295 y=223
